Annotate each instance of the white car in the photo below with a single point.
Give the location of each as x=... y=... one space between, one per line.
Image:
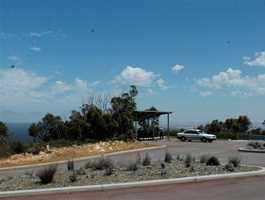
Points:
x=193 y=134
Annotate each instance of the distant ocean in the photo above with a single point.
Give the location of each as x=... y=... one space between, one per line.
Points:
x=19 y=131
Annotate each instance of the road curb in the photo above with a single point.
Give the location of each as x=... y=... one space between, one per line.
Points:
x=90 y=188
x=82 y=158
x=251 y=150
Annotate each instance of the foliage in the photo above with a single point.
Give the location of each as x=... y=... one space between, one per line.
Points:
x=235 y=161
x=230 y=128
x=46 y=175
x=70 y=165
x=3 y=132
x=17 y=147
x=229 y=167
x=188 y=160
x=73 y=177
x=133 y=166
x=168 y=157
x=204 y=158
x=94 y=121
x=49 y=128
x=146 y=160
x=81 y=171
x=213 y=161
x=109 y=170
x=102 y=163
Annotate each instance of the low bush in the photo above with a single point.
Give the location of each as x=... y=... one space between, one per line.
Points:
x=35 y=148
x=5 y=151
x=46 y=175
x=73 y=177
x=255 y=145
x=163 y=171
x=70 y=165
x=108 y=171
x=102 y=163
x=168 y=158
x=88 y=165
x=188 y=160
x=235 y=161
x=204 y=158
x=229 y=167
x=17 y=147
x=132 y=166
x=213 y=161
x=81 y=171
x=146 y=160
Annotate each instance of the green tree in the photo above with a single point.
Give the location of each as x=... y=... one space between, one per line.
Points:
x=3 y=132
x=122 y=112
x=243 y=123
x=49 y=128
x=214 y=127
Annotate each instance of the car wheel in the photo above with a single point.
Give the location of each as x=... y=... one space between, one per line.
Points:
x=183 y=139
x=204 y=139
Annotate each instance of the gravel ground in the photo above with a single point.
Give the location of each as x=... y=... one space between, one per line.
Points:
x=89 y=176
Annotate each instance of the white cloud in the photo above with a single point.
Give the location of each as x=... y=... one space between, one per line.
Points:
x=35 y=49
x=162 y=84
x=205 y=93
x=140 y=77
x=136 y=76
x=257 y=60
x=177 y=68
x=14 y=59
x=40 y=34
x=231 y=81
x=29 y=92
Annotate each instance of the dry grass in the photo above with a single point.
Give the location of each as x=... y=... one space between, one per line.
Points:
x=67 y=153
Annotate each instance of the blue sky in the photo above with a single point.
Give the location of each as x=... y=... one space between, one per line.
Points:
x=201 y=59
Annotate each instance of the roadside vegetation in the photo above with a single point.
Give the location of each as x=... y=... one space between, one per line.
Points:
x=103 y=171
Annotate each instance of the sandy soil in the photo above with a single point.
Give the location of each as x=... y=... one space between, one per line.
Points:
x=67 y=153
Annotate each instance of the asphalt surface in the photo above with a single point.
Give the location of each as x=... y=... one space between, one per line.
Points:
x=231 y=189
x=234 y=189
x=222 y=149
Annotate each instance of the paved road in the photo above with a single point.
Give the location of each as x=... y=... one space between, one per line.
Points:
x=232 y=189
x=221 y=149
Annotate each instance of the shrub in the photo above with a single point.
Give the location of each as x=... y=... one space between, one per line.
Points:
x=146 y=160
x=73 y=177
x=132 y=166
x=17 y=147
x=138 y=158
x=101 y=164
x=163 y=171
x=188 y=160
x=5 y=151
x=235 y=161
x=204 y=158
x=168 y=157
x=88 y=165
x=80 y=171
x=229 y=167
x=46 y=175
x=254 y=145
x=213 y=161
x=108 y=171
x=70 y=165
